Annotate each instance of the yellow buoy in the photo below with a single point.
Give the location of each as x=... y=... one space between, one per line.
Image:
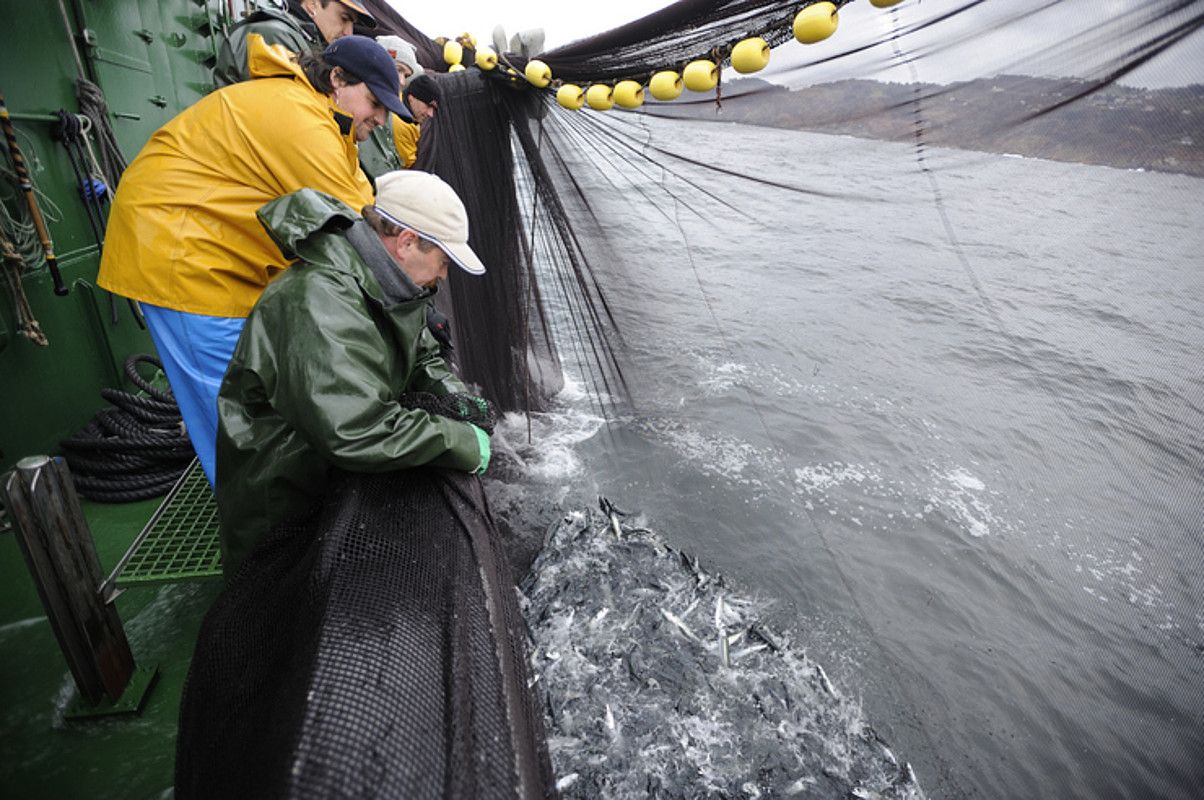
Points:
x=453 y=52
x=816 y=22
x=538 y=73
x=629 y=94
x=571 y=96
x=750 y=55
x=456 y=68
x=666 y=85
x=486 y=58
x=600 y=97
x=884 y=3
x=701 y=75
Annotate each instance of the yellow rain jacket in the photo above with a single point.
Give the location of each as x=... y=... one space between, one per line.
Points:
x=182 y=232
x=405 y=139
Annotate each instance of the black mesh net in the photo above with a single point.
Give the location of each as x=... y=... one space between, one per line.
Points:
x=520 y=162
x=372 y=649
x=463 y=407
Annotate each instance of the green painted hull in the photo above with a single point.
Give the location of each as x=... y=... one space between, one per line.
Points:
x=151 y=59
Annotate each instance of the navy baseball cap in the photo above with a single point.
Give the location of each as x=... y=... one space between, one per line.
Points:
x=372 y=64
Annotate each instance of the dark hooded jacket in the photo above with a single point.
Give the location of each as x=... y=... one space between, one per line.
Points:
x=315 y=379
x=276 y=26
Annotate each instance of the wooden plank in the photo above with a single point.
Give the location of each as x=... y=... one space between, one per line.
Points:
x=61 y=555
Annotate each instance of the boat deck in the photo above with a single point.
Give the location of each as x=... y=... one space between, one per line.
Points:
x=132 y=756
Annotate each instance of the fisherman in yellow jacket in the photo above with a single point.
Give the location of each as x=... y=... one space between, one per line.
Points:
x=183 y=238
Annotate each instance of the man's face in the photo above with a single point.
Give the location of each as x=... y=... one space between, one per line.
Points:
x=358 y=101
x=425 y=267
x=403 y=72
x=422 y=111
x=334 y=20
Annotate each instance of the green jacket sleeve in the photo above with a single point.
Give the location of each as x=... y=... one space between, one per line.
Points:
x=321 y=368
x=431 y=373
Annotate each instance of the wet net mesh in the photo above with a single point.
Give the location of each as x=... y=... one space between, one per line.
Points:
x=372 y=649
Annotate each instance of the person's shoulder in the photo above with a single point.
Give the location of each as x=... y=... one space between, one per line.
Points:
x=268 y=19
x=304 y=289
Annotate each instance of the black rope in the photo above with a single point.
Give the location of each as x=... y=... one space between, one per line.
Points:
x=70 y=131
x=135 y=450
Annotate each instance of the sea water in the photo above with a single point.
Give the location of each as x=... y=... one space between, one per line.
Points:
x=948 y=413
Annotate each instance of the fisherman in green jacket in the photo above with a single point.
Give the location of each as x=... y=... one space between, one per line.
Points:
x=330 y=347
x=301 y=26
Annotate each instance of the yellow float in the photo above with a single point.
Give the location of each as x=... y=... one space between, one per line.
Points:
x=750 y=55
x=816 y=22
x=538 y=73
x=453 y=52
x=884 y=3
x=666 y=85
x=629 y=94
x=486 y=58
x=600 y=97
x=456 y=68
x=701 y=75
x=571 y=96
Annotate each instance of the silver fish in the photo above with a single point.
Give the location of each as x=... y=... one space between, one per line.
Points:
x=676 y=622
x=748 y=651
x=824 y=682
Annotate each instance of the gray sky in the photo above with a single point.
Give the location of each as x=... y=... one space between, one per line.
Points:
x=1034 y=44
x=563 y=21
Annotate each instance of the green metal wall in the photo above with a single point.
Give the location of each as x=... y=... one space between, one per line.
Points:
x=151 y=58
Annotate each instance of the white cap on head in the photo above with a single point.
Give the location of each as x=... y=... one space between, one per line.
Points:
x=401 y=52
x=426 y=205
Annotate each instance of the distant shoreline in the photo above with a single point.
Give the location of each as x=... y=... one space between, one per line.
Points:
x=1154 y=130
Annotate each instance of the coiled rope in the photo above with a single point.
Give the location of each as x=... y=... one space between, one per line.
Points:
x=134 y=450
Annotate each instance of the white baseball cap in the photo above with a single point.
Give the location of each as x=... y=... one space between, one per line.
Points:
x=430 y=208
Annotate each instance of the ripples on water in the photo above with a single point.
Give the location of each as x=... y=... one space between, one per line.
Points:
x=979 y=491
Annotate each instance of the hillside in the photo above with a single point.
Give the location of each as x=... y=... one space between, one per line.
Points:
x=1118 y=126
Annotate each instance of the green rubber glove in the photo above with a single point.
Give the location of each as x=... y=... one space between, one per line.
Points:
x=483 y=445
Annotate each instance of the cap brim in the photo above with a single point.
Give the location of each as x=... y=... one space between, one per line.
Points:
x=362 y=17
x=464 y=257
x=392 y=102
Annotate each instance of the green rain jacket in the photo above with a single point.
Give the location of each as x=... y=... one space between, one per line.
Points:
x=378 y=154
x=314 y=381
x=276 y=27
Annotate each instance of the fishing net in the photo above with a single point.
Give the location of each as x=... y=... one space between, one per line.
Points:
x=521 y=162
x=564 y=205
x=372 y=649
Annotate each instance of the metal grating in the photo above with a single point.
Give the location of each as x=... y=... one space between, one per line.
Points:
x=180 y=540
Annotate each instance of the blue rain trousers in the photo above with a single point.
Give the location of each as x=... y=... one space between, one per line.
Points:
x=195 y=351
